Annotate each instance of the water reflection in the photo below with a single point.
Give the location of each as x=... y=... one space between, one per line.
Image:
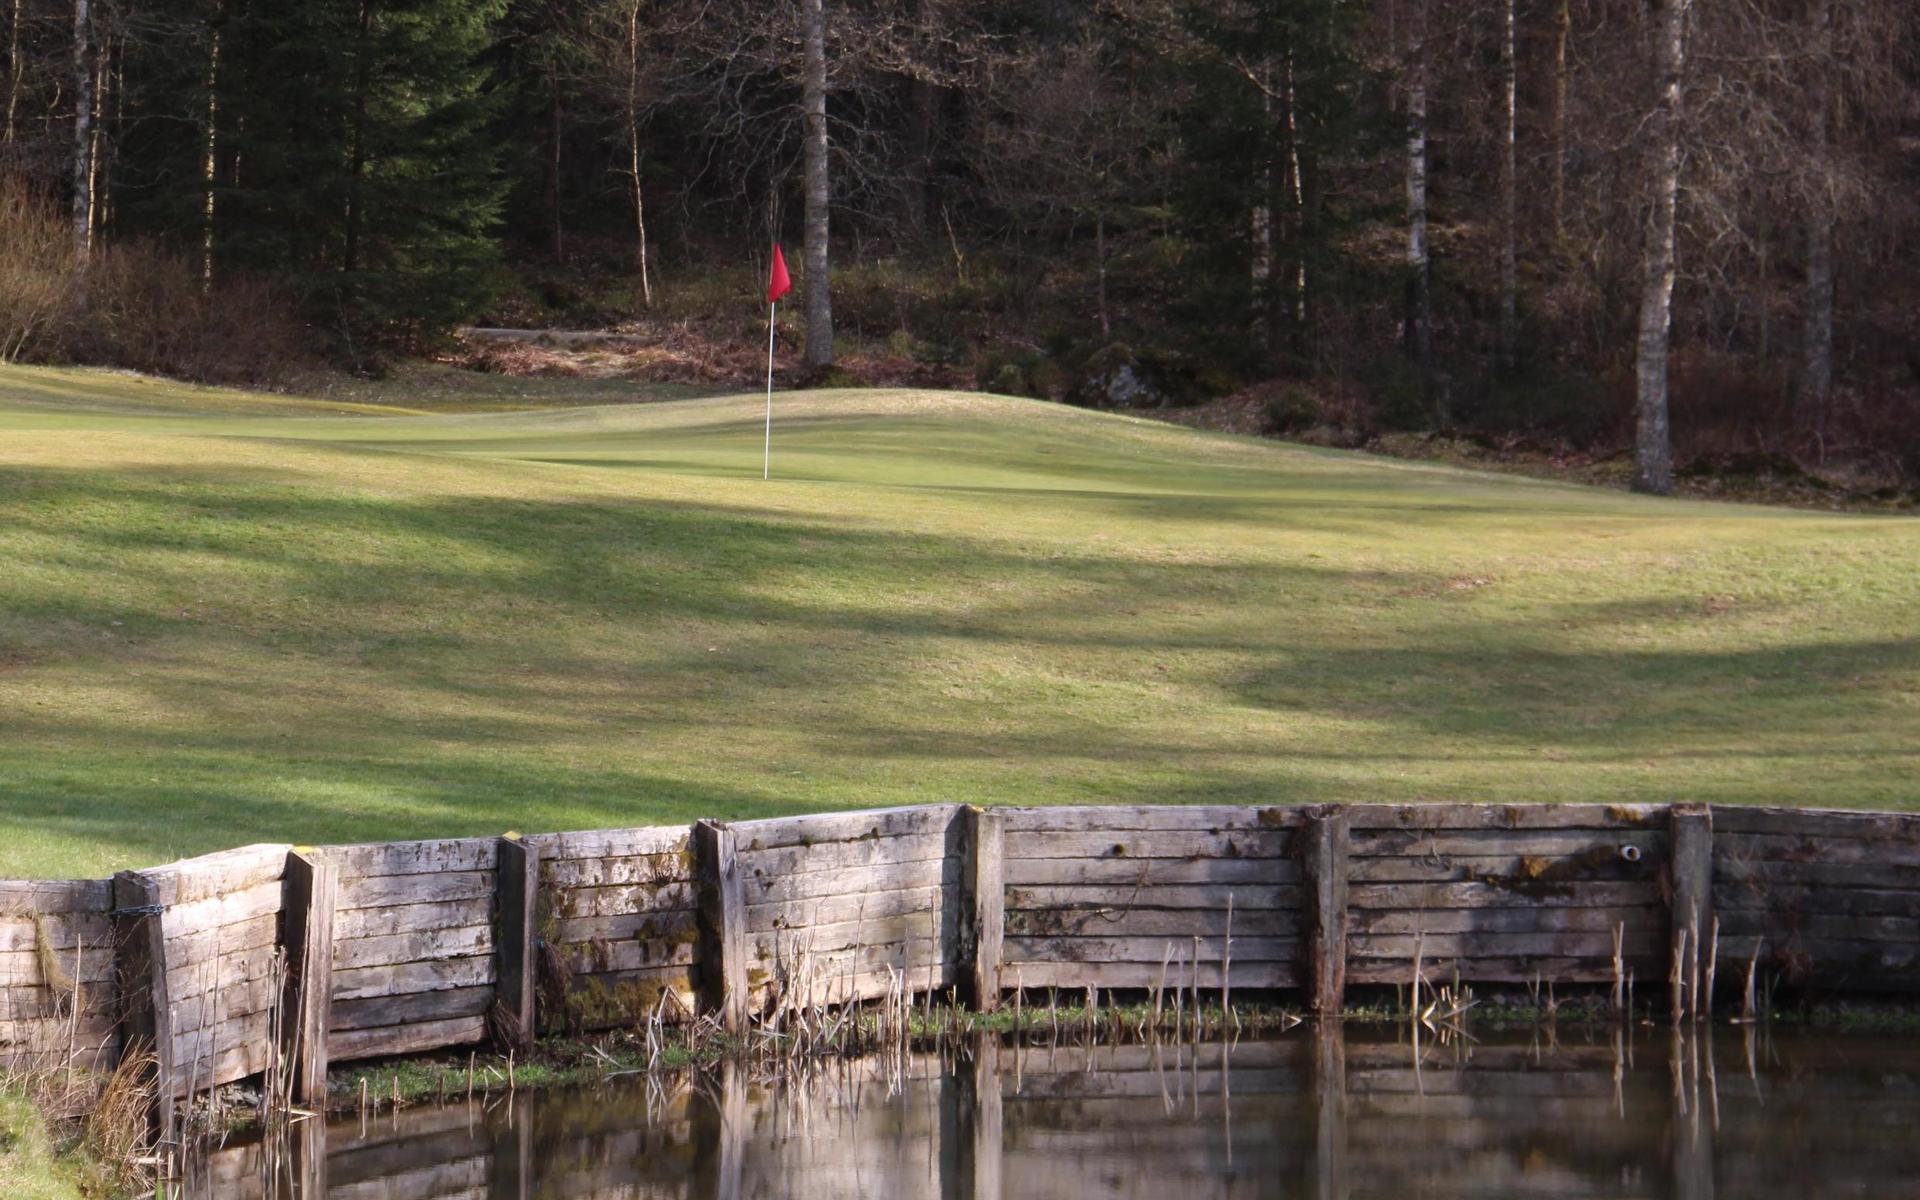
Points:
x=1573 y=1112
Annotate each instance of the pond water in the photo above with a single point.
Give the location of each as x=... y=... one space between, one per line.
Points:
x=1573 y=1112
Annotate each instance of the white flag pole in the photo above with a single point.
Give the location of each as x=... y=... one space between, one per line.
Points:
x=766 y=465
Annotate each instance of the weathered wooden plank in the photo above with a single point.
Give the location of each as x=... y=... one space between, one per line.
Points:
x=21 y=968
x=38 y=1003
x=379 y=891
x=644 y=869
x=983 y=905
x=914 y=957
x=1539 y=843
x=312 y=888
x=629 y=998
x=422 y=945
x=1205 y=818
x=1643 y=919
x=1814 y=957
x=1818 y=822
x=228 y=908
x=1154 y=896
x=1593 y=944
x=842 y=827
x=193 y=949
x=195 y=1048
x=63 y=931
x=350 y=924
x=839 y=910
x=346 y=1044
x=843 y=935
x=373 y=1012
x=1149 y=949
x=1177 y=923
x=412 y=977
x=599 y=958
x=1487 y=970
x=1061 y=872
x=212 y=875
x=572 y=903
x=1159 y=844
x=1602 y=864
x=848 y=880
x=1601 y=894
x=1736 y=872
x=645 y=926
x=26 y=897
x=1819 y=926
x=1792 y=898
x=86 y=1034
x=1242 y=975
x=1325 y=848
x=1507 y=816
x=861 y=852
x=210 y=1064
x=1770 y=847
x=514 y=943
x=613 y=843
x=723 y=923
x=414 y=858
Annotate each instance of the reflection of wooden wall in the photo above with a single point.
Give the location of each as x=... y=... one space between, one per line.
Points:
x=1310 y=1114
x=438 y=944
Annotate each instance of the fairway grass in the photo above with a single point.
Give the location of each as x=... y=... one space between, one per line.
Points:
x=227 y=618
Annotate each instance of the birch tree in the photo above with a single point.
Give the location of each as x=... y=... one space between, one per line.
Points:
x=1653 y=436
x=818 y=185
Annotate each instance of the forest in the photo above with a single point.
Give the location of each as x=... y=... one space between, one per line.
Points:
x=1675 y=233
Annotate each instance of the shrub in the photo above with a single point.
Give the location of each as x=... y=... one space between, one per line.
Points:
x=36 y=272
x=1290 y=410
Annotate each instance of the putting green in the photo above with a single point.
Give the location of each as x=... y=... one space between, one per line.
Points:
x=229 y=618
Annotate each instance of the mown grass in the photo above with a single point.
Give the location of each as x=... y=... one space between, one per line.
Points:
x=228 y=618
x=33 y=1164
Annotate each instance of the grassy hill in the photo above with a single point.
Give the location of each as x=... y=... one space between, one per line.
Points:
x=227 y=618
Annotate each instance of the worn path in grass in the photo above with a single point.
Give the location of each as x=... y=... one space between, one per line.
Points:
x=227 y=618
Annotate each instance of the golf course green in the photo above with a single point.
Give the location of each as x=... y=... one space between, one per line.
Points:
x=228 y=618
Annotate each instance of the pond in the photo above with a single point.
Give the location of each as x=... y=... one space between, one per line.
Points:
x=1573 y=1111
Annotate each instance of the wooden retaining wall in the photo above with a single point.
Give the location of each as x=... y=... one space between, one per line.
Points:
x=57 y=993
x=405 y=947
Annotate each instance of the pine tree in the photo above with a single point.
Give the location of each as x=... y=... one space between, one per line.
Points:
x=361 y=167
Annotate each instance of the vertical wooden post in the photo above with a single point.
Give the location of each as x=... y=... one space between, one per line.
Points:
x=988 y=1144
x=1691 y=834
x=983 y=906
x=307 y=895
x=515 y=941
x=140 y=969
x=723 y=924
x=1324 y=861
x=309 y=1152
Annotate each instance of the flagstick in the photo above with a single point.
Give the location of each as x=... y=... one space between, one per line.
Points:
x=766 y=467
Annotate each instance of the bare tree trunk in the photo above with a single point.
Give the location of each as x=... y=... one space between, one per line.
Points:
x=633 y=150
x=1562 y=31
x=1297 y=199
x=82 y=134
x=1653 y=440
x=210 y=155
x=554 y=131
x=1100 y=272
x=1419 y=315
x=96 y=157
x=819 y=351
x=13 y=67
x=1509 y=197
x=1816 y=380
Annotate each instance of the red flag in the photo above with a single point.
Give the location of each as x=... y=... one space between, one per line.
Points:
x=778 y=284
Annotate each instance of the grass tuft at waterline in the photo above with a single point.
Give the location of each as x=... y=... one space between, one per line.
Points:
x=229 y=618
